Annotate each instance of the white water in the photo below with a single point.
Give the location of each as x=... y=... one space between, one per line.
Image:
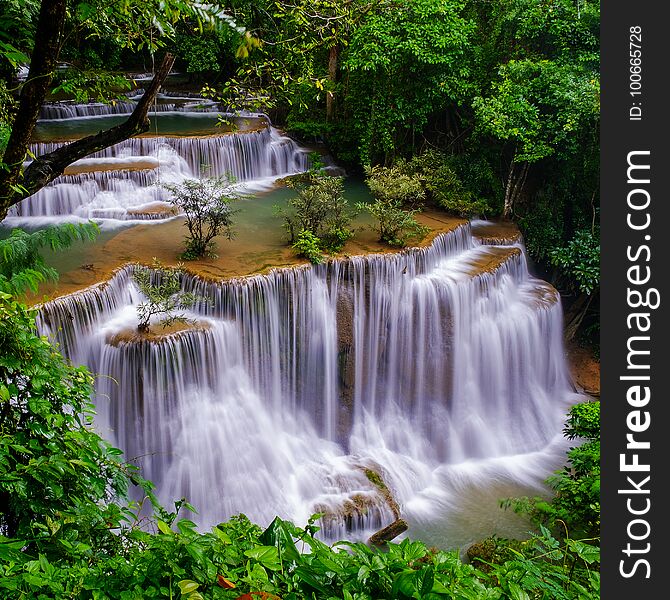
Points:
x=446 y=379
x=254 y=160
x=164 y=103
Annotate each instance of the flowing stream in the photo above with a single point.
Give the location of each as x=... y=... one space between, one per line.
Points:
x=123 y=183
x=440 y=370
x=426 y=384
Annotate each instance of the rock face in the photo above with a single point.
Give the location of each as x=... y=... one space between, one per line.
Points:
x=370 y=504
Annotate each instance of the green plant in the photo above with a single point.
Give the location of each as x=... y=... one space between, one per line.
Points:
x=395 y=225
x=206 y=203
x=443 y=186
x=396 y=184
x=318 y=207
x=57 y=476
x=22 y=266
x=309 y=246
x=579 y=260
x=162 y=287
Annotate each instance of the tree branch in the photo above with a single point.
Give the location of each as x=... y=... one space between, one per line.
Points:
x=44 y=169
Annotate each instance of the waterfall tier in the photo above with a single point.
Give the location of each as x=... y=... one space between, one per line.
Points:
x=165 y=103
x=435 y=369
x=122 y=181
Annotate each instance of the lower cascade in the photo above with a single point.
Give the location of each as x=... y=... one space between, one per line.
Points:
x=369 y=388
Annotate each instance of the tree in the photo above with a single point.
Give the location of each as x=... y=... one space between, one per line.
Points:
x=407 y=61
x=320 y=209
x=162 y=288
x=132 y=24
x=537 y=108
x=206 y=204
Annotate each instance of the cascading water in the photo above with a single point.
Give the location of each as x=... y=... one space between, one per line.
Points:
x=164 y=103
x=439 y=371
x=121 y=182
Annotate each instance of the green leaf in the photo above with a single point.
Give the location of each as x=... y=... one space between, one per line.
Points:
x=516 y=592
x=187 y=586
x=268 y=556
x=164 y=527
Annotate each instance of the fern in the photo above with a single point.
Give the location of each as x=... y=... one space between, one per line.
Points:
x=22 y=266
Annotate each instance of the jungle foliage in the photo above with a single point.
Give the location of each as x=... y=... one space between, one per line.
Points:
x=500 y=101
x=68 y=530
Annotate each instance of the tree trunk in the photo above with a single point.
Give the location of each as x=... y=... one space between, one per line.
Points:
x=333 y=55
x=44 y=169
x=508 y=206
x=50 y=26
x=575 y=316
x=389 y=532
x=514 y=186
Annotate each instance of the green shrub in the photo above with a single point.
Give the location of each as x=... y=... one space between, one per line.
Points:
x=162 y=288
x=320 y=208
x=395 y=225
x=206 y=203
x=396 y=184
x=443 y=187
x=579 y=260
x=309 y=246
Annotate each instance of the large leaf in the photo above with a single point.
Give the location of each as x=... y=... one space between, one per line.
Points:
x=268 y=556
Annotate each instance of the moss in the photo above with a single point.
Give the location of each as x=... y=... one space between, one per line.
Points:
x=376 y=479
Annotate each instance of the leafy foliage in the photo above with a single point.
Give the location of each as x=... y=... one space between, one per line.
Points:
x=405 y=62
x=576 y=506
x=55 y=473
x=206 y=203
x=580 y=260
x=162 y=287
x=320 y=209
x=397 y=183
x=90 y=85
x=22 y=266
x=395 y=225
x=309 y=246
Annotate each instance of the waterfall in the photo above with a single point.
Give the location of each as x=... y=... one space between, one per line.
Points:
x=70 y=110
x=432 y=369
x=119 y=187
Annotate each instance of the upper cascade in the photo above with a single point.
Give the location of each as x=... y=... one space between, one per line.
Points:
x=164 y=103
x=426 y=367
x=124 y=183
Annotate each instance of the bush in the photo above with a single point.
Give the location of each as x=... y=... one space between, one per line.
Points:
x=57 y=476
x=319 y=208
x=443 y=186
x=579 y=261
x=206 y=203
x=395 y=225
x=162 y=288
x=309 y=246
x=426 y=177
x=396 y=184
